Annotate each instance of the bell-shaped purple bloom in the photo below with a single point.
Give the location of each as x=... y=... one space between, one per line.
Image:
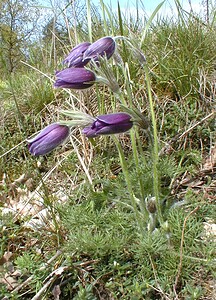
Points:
x=75 y=57
x=102 y=47
x=48 y=139
x=109 y=124
x=74 y=78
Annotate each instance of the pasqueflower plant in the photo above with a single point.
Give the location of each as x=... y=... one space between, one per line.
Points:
x=79 y=75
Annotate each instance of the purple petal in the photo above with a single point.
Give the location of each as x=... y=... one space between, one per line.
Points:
x=75 y=86
x=75 y=75
x=75 y=57
x=48 y=139
x=75 y=78
x=109 y=124
x=43 y=132
x=98 y=124
x=112 y=129
x=104 y=46
x=116 y=118
x=89 y=132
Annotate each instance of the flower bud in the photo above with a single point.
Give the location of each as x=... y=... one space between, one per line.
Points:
x=48 y=139
x=75 y=57
x=151 y=205
x=74 y=78
x=109 y=124
x=102 y=47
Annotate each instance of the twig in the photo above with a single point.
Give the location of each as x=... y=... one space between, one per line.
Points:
x=196 y=124
x=158 y=289
x=181 y=251
x=81 y=161
x=168 y=147
x=47 y=76
x=7 y=152
x=41 y=291
x=52 y=278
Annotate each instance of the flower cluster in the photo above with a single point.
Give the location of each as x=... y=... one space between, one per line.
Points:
x=76 y=76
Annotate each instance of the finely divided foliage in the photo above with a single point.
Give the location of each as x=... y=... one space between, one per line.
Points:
x=115 y=197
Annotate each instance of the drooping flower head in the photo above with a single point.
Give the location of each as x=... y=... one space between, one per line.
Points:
x=102 y=47
x=75 y=57
x=74 y=78
x=109 y=124
x=48 y=139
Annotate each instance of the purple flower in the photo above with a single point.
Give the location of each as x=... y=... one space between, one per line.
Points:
x=74 y=78
x=48 y=139
x=104 y=46
x=109 y=124
x=75 y=57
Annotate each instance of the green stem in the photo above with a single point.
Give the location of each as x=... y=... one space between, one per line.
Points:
x=128 y=182
x=139 y=174
x=155 y=148
x=134 y=148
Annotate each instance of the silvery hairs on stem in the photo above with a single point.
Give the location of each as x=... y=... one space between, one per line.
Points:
x=104 y=74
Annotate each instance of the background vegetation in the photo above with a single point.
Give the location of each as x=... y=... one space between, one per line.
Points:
x=67 y=227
